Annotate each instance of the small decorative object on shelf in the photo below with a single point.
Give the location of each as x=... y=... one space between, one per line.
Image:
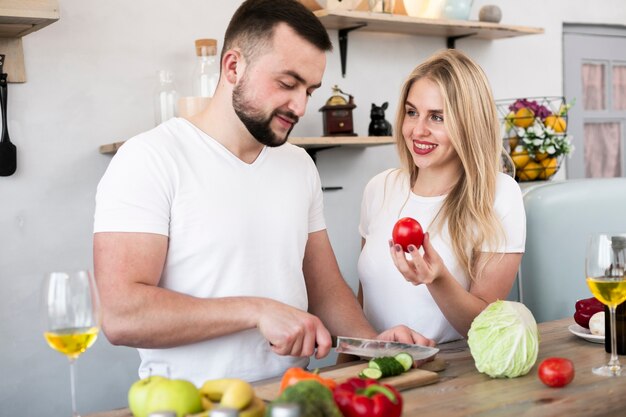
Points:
x=378 y=125
x=427 y=9
x=490 y=13
x=457 y=9
x=381 y=6
x=535 y=135
x=337 y=114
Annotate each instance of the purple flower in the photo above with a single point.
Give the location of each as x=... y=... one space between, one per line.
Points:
x=538 y=110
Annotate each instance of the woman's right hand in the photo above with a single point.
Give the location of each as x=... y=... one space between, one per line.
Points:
x=420 y=269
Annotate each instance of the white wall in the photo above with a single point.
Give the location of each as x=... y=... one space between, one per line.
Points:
x=91 y=77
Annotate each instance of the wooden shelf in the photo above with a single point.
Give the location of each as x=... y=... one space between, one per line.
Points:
x=19 y=18
x=347 y=21
x=307 y=143
x=394 y=23
x=110 y=148
x=350 y=141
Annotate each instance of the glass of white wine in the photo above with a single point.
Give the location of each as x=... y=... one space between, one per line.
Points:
x=606 y=277
x=71 y=314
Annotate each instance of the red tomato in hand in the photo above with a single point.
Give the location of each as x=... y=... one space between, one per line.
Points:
x=556 y=372
x=407 y=231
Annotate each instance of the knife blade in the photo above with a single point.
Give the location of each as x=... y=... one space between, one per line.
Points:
x=368 y=348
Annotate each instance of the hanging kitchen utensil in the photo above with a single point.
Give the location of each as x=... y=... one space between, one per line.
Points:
x=8 y=153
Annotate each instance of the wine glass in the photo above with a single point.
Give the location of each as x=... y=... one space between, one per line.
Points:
x=606 y=277
x=71 y=313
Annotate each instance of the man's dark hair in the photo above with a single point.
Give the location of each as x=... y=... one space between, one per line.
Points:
x=252 y=26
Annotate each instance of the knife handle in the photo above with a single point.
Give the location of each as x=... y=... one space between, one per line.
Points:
x=333 y=341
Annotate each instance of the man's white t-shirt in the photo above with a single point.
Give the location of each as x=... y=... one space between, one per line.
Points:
x=388 y=299
x=235 y=229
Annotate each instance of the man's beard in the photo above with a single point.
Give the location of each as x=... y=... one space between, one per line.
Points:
x=253 y=119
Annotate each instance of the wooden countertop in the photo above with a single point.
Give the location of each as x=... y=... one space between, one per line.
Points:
x=463 y=391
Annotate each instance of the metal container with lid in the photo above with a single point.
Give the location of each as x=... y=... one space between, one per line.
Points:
x=285 y=410
x=162 y=414
x=224 y=412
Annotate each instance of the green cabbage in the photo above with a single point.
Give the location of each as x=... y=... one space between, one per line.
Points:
x=504 y=340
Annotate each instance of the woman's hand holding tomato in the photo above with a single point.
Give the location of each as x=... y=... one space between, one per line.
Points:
x=420 y=269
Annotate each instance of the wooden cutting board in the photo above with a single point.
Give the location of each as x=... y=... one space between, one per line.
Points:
x=414 y=378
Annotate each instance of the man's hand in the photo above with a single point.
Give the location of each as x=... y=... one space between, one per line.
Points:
x=293 y=332
x=404 y=334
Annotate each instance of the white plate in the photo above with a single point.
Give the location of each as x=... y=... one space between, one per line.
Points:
x=585 y=334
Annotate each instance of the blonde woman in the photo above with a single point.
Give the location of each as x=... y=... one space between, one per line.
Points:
x=447 y=134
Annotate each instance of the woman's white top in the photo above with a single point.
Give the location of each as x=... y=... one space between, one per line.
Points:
x=388 y=299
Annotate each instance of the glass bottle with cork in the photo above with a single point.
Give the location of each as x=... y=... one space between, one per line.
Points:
x=206 y=71
x=204 y=78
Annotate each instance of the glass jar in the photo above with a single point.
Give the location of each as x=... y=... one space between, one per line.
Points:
x=165 y=98
x=457 y=9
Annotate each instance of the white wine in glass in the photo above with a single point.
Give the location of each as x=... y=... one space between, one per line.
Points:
x=71 y=310
x=606 y=277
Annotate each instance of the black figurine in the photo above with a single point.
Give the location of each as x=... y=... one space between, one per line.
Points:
x=379 y=126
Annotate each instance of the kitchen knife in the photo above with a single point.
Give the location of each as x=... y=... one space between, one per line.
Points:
x=368 y=348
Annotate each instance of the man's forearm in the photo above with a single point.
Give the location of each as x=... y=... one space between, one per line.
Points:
x=340 y=311
x=152 y=317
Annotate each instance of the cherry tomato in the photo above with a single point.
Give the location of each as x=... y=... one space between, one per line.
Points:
x=407 y=231
x=556 y=372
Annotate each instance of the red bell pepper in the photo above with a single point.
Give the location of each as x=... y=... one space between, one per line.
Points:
x=359 y=397
x=586 y=308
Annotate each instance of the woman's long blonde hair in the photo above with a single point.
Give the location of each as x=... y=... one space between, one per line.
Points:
x=471 y=120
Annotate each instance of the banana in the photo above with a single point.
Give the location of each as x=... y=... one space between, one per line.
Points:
x=255 y=409
x=229 y=392
x=207 y=404
x=214 y=388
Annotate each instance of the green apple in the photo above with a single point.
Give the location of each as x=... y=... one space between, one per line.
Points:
x=176 y=395
x=138 y=395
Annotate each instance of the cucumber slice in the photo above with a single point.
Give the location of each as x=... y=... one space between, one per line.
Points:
x=396 y=367
x=405 y=360
x=373 y=363
x=371 y=373
x=388 y=365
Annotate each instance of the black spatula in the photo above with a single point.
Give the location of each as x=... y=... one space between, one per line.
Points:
x=8 y=153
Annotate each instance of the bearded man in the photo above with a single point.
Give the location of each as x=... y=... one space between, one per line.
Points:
x=210 y=246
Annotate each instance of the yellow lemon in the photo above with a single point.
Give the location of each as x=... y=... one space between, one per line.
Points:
x=508 y=121
x=520 y=157
x=557 y=123
x=524 y=117
x=513 y=140
x=550 y=165
x=530 y=171
x=541 y=156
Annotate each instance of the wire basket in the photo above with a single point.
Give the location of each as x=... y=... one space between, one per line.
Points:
x=534 y=135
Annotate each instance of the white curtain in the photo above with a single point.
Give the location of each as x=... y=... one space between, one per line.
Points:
x=601 y=145
x=593 y=86
x=602 y=150
x=619 y=87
